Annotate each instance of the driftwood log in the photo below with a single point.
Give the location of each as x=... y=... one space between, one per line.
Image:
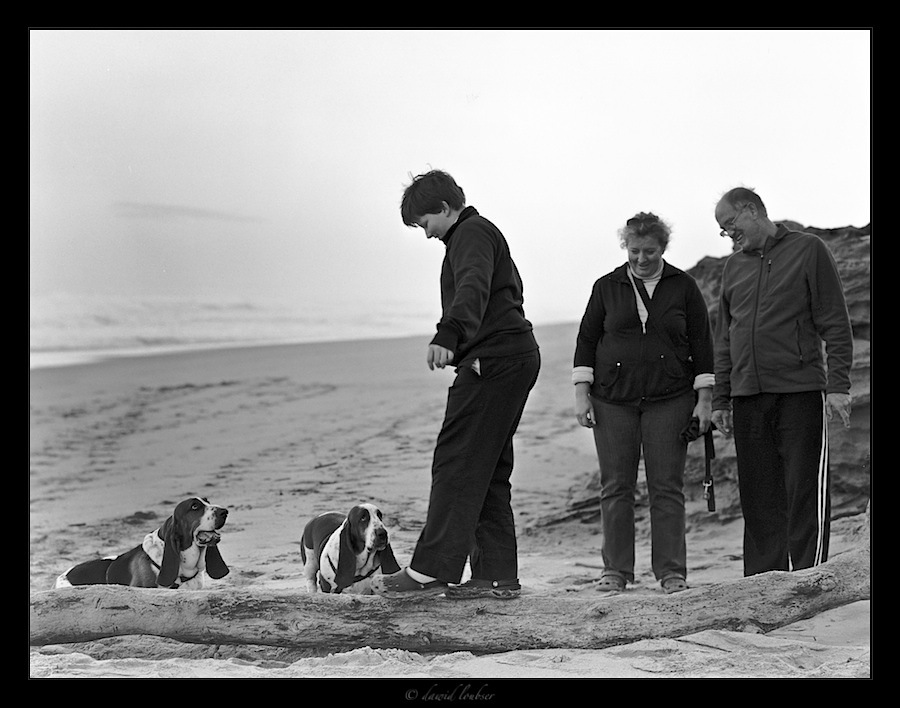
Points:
x=343 y=622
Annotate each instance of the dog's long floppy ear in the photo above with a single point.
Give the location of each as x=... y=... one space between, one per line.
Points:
x=170 y=533
x=388 y=561
x=215 y=566
x=358 y=520
x=346 y=566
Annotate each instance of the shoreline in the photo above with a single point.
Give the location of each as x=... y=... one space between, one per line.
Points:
x=58 y=359
x=44 y=359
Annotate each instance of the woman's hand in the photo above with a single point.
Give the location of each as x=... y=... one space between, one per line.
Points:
x=703 y=409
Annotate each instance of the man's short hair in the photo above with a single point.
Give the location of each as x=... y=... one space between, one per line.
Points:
x=427 y=194
x=741 y=196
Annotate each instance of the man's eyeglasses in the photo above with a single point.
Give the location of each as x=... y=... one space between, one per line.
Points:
x=728 y=227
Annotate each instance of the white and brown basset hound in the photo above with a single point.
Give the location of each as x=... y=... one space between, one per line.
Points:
x=341 y=552
x=176 y=555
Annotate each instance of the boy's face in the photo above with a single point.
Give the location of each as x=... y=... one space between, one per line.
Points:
x=437 y=225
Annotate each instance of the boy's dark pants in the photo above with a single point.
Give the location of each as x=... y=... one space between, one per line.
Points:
x=781 y=442
x=470 y=511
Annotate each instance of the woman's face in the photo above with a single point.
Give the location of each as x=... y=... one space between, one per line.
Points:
x=644 y=255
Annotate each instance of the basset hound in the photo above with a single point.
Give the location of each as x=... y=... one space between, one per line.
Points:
x=176 y=555
x=341 y=553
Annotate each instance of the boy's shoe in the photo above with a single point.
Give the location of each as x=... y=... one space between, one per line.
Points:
x=400 y=584
x=474 y=589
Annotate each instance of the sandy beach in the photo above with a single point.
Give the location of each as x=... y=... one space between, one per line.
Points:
x=279 y=434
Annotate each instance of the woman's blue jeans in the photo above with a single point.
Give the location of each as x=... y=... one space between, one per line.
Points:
x=621 y=433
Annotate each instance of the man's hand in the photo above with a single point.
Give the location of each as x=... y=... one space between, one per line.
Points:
x=438 y=356
x=839 y=402
x=724 y=422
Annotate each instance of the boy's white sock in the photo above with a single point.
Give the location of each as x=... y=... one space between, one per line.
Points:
x=419 y=577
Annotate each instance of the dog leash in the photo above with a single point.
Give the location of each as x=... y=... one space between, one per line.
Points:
x=179 y=581
x=709 y=490
x=691 y=433
x=356 y=578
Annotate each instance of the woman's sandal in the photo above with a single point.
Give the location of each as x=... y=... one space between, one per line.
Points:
x=674 y=584
x=400 y=584
x=611 y=583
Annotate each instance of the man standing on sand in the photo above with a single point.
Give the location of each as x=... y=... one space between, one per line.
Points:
x=781 y=298
x=483 y=333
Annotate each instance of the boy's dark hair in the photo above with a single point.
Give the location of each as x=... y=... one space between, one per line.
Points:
x=426 y=195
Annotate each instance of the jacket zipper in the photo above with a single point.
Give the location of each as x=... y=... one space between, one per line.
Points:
x=759 y=279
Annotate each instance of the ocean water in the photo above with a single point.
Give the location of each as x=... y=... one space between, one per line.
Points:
x=69 y=329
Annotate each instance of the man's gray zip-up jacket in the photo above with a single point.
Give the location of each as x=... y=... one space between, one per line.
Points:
x=776 y=308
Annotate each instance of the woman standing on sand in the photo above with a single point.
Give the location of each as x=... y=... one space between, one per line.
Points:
x=643 y=369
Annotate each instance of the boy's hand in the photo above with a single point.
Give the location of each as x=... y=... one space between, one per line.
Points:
x=438 y=356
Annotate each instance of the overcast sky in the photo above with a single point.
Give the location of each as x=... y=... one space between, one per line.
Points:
x=270 y=164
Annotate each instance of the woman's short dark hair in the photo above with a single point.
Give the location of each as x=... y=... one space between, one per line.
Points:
x=645 y=224
x=426 y=195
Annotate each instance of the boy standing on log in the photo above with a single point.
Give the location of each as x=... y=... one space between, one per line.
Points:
x=484 y=334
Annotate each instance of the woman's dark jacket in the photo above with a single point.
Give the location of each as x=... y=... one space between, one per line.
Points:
x=630 y=365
